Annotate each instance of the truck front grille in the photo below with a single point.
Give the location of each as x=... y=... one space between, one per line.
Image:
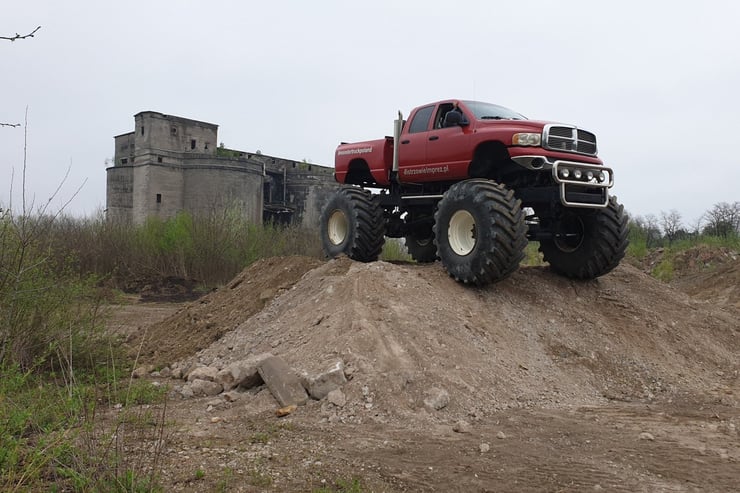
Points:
x=569 y=139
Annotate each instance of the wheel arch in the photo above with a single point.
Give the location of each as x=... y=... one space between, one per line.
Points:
x=358 y=173
x=489 y=160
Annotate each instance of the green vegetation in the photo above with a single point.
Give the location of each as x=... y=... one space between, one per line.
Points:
x=51 y=434
x=342 y=486
x=394 y=250
x=226 y=480
x=532 y=255
x=222 y=151
x=71 y=417
x=666 y=242
x=211 y=249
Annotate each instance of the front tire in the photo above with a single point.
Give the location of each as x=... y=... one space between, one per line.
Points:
x=480 y=231
x=352 y=224
x=587 y=244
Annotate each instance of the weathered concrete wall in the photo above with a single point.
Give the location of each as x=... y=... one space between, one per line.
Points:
x=309 y=191
x=158 y=192
x=157 y=131
x=317 y=197
x=124 y=149
x=212 y=188
x=119 y=196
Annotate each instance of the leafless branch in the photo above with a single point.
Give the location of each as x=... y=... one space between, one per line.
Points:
x=11 y=39
x=18 y=36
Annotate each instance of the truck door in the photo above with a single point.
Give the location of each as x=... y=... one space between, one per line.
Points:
x=448 y=147
x=413 y=148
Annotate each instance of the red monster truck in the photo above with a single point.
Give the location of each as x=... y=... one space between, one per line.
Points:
x=470 y=183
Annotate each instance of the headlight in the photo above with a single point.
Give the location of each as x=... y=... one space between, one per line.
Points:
x=526 y=139
x=577 y=174
x=564 y=172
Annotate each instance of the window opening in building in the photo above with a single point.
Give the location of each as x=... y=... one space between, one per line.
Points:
x=124 y=161
x=205 y=146
x=142 y=130
x=173 y=130
x=192 y=143
x=159 y=159
x=159 y=198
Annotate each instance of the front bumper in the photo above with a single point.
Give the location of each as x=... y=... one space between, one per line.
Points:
x=581 y=184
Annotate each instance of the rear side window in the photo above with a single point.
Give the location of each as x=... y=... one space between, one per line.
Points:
x=420 y=123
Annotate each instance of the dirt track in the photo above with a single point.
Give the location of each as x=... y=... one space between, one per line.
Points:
x=619 y=384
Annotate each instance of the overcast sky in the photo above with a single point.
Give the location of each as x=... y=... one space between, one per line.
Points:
x=657 y=81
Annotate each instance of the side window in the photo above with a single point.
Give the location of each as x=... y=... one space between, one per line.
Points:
x=420 y=123
x=441 y=112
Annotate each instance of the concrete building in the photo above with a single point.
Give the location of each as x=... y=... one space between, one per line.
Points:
x=170 y=164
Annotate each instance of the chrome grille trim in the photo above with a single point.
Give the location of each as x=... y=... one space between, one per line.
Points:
x=568 y=138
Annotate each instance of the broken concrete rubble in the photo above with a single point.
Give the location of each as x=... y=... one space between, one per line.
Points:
x=282 y=381
x=204 y=387
x=203 y=373
x=320 y=385
x=243 y=373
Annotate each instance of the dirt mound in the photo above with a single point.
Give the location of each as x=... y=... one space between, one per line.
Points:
x=408 y=332
x=204 y=321
x=618 y=384
x=706 y=273
x=709 y=274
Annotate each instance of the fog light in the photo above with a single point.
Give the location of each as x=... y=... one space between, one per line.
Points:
x=577 y=174
x=589 y=175
x=601 y=176
x=564 y=172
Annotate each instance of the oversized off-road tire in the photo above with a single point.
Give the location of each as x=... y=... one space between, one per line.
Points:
x=587 y=243
x=480 y=231
x=352 y=224
x=423 y=250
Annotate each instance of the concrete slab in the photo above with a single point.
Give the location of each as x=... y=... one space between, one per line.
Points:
x=282 y=381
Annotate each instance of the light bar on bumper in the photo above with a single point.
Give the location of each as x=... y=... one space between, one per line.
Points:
x=580 y=176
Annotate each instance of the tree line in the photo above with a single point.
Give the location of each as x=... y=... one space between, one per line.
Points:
x=722 y=220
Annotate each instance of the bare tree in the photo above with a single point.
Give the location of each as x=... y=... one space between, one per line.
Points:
x=723 y=219
x=653 y=230
x=671 y=224
x=646 y=227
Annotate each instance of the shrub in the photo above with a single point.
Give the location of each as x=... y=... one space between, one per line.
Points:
x=47 y=311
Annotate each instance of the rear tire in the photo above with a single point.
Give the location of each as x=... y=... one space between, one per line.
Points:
x=423 y=250
x=352 y=224
x=480 y=231
x=588 y=244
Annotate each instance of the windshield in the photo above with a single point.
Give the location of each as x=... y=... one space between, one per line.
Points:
x=488 y=111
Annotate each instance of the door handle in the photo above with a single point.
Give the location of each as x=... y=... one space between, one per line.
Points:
x=405 y=141
x=434 y=137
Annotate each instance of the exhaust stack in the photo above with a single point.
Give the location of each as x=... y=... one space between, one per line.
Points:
x=397 y=124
